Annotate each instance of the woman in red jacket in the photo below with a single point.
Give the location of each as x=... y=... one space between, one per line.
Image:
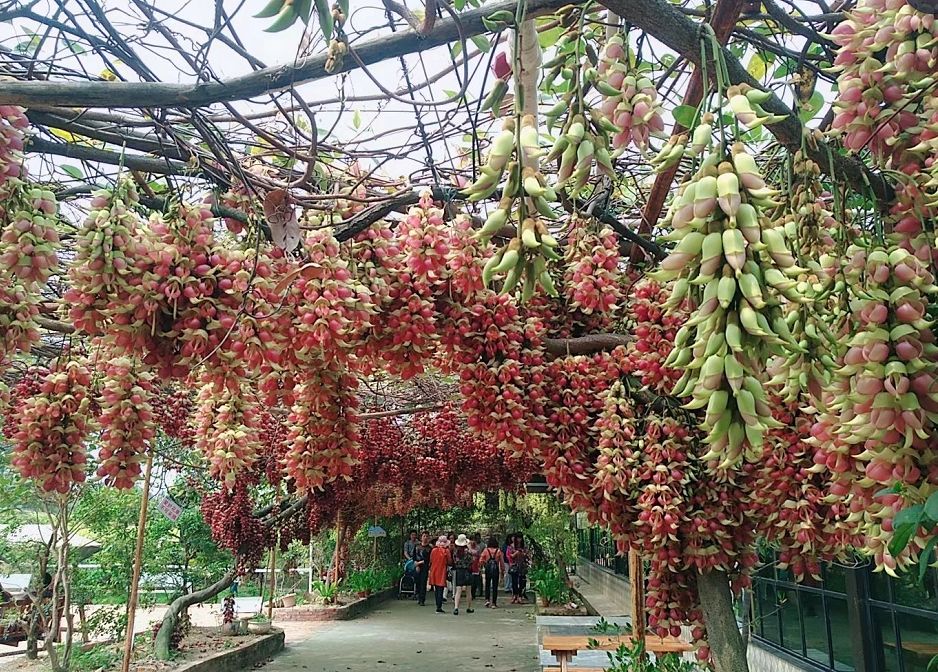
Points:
x=440 y=560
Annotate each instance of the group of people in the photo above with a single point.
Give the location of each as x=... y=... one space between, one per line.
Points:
x=463 y=567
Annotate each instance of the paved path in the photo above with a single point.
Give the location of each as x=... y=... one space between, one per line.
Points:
x=400 y=636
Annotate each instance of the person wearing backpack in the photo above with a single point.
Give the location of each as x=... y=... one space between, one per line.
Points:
x=493 y=564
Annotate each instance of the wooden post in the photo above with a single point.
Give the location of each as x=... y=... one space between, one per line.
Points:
x=138 y=560
x=273 y=579
x=339 y=529
x=637 y=583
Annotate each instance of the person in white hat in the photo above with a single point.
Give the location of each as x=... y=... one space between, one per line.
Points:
x=462 y=562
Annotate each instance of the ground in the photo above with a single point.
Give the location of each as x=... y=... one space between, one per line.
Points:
x=399 y=635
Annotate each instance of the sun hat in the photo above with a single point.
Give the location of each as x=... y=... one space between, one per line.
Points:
x=442 y=541
x=462 y=540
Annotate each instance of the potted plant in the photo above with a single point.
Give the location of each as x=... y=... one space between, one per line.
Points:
x=259 y=625
x=288 y=600
x=361 y=583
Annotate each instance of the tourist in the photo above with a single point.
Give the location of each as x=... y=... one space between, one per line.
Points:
x=422 y=567
x=493 y=561
x=451 y=537
x=509 y=547
x=475 y=549
x=462 y=566
x=440 y=561
x=410 y=545
x=518 y=570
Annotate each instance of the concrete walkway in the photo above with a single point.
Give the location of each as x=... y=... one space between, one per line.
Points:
x=401 y=636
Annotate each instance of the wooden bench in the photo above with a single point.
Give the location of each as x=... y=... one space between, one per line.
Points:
x=918 y=649
x=565 y=647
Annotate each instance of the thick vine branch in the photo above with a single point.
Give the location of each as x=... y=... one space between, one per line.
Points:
x=584 y=345
x=667 y=23
x=266 y=80
x=140 y=162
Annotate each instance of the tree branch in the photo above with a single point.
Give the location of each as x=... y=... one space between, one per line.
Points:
x=276 y=78
x=584 y=345
x=147 y=164
x=665 y=22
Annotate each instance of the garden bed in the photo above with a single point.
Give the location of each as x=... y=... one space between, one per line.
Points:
x=335 y=612
x=565 y=609
x=202 y=650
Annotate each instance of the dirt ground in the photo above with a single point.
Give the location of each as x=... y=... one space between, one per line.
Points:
x=202 y=641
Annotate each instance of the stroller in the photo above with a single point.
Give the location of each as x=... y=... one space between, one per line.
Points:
x=408 y=583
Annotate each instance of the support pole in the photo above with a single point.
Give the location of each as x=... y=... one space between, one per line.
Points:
x=309 y=582
x=273 y=582
x=138 y=556
x=637 y=583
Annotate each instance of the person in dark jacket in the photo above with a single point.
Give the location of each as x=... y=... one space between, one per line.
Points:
x=422 y=565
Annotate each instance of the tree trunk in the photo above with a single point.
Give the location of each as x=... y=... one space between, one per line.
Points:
x=179 y=606
x=726 y=643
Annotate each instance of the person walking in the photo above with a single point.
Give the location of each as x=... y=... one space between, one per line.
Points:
x=440 y=561
x=509 y=547
x=493 y=562
x=519 y=571
x=475 y=549
x=422 y=568
x=410 y=545
x=462 y=574
x=448 y=592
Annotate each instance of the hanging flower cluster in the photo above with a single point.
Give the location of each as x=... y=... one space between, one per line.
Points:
x=52 y=427
x=630 y=100
x=127 y=421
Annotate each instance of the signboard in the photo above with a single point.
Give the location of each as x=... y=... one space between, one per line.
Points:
x=376 y=531
x=170 y=509
x=582 y=522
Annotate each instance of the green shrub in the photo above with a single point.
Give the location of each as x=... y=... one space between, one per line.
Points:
x=328 y=592
x=548 y=582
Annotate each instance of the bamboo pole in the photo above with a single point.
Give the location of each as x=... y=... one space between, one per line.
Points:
x=637 y=582
x=273 y=584
x=138 y=556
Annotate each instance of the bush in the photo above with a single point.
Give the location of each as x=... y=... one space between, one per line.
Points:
x=95 y=658
x=329 y=592
x=548 y=582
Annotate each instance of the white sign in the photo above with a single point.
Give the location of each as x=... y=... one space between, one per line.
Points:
x=376 y=531
x=170 y=509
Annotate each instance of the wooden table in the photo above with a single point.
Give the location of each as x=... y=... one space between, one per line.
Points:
x=565 y=647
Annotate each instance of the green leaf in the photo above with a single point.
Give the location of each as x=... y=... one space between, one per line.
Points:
x=891 y=490
x=783 y=70
x=814 y=104
x=72 y=171
x=456 y=49
x=356 y=120
x=756 y=67
x=75 y=47
x=459 y=5
x=900 y=538
x=911 y=515
x=932 y=665
x=482 y=43
x=923 y=558
x=931 y=507
x=684 y=115
x=549 y=37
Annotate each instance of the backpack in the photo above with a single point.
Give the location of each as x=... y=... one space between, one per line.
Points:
x=491 y=564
